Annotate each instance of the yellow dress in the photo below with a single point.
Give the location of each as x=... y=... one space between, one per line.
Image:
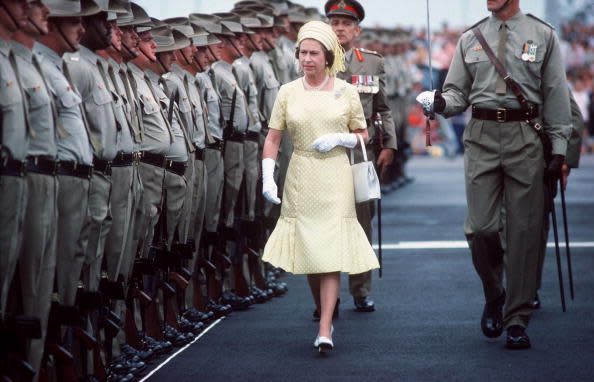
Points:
x=318 y=231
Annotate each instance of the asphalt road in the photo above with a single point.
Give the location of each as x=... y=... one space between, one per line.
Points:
x=429 y=302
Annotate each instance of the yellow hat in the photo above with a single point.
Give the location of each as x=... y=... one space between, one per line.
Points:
x=323 y=33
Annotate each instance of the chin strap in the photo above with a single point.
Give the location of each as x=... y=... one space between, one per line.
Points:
x=235 y=46
x=505 y=5
x=37 y=27
x=68 y=42
x=10 y=16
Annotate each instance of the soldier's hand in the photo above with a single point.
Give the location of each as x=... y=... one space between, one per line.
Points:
x=432 y=102
x=565 y=170
x=553 y=170
x=269 y=188
x=384 y=161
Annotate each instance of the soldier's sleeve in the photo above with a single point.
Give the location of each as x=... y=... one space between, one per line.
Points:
x=381 y=106
x=278 y=117
x=572 y=158
x=555 y=108
x=457 y=84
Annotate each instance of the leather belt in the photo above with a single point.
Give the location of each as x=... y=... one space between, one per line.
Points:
x=41 y=165
x=504 y=115
x=71 y=168
x=12 y=167
x=102 y=166
x=252 y=136
x=123 y=159
x=199 y=154
x=235 y=137
x=178 y=168
x=152 y=159
x=217 y=145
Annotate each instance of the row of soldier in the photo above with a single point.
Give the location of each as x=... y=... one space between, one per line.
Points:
x=130 y=156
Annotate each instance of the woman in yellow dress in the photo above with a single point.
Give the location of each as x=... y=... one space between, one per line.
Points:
x=317 y=233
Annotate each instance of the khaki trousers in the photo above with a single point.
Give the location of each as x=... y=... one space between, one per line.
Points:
x=188 y=215
x=252 y=171
x=122 y=199
x=73 y=197
x=147 y=213
x=234 y=169
x=175 y=196
x=213 y=161
x=13 y=202
x=503 y=165
x=198 y=210
x=96 y=227
x=37 y=262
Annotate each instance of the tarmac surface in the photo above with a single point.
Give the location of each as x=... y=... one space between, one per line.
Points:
x=429 y=301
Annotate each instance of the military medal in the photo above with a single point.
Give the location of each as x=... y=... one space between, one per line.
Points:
x=529 y=51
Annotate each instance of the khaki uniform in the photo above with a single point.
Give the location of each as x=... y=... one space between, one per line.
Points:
x=85 y=71
x=75 y=148
x=156 y=140
x=268 y=87
x=13 y=185
x=37 y=262
x=504 y=160
x=213 y=155
x=246 y=81
x=175 y=184
x=227 y=86
x=365 y=70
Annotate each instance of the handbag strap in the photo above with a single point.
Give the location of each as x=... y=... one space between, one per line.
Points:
x=362 y=149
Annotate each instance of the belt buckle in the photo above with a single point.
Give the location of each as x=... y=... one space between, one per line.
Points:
x=23 y=168
x=168 y=163
x=501 y=115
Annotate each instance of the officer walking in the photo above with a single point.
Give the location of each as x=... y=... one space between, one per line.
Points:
x=365 y=70
x=504 y=156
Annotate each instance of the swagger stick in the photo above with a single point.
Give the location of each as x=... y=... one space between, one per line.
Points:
x=567 y=252
x=430 y=116
x=551 y=200
x=379 y=235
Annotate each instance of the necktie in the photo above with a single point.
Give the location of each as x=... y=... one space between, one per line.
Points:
x=500 y=86
x=94 y=143
x=106 y=83
x=158 y=100
x=135 y=100
x=61 y=131
x=24 y=100
x=132 y=118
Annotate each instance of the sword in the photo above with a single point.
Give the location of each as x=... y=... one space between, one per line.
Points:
x=431 y=116
x=552 y=183
x=379 y=235
x=567 y=252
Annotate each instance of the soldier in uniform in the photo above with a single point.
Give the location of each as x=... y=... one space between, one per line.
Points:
x=504 y=159
x=75 y=149
x=37 y=261
x=365 y=70
x=14 y=132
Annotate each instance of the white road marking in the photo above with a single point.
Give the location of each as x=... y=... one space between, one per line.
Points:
x=146 y=377
x=463 y=244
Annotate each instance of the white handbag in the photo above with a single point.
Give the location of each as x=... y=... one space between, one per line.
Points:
x=365 y=179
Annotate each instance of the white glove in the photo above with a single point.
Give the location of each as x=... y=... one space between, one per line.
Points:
x=269 y=188
x=329 y=141
x=427 y=99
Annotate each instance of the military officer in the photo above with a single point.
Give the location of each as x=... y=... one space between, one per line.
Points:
x=37 y=261
x=504 y=159
x=13 y=147
x=365 y=70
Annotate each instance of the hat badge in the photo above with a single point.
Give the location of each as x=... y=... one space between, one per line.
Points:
x=342 y=4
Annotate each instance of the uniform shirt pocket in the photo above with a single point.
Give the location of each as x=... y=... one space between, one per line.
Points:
x=148 y=105
x=101 y=96
x=68 y=99
x=271 y=82
x=37 y=97
x=9 y=95
x=529 y=66
x=184 y=106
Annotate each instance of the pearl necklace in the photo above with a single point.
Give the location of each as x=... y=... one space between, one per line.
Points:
x=320 y=86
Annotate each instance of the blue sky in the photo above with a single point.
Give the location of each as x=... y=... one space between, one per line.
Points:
x=386 y=13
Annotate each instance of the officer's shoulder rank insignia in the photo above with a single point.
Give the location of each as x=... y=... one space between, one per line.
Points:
x=539 y=20
x=366 y=83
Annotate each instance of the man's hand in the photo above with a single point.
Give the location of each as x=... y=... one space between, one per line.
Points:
x=432 y=102
x=565 y=170
x=384 y=160
x=553 y=170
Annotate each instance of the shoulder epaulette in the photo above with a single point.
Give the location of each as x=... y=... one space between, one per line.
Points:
x=369 y=51
x=480 y=22
x=542 y=21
